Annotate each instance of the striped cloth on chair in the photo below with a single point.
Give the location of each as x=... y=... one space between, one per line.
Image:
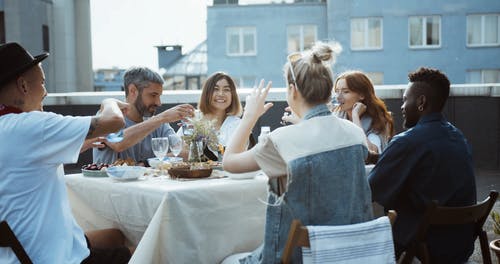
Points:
x=367 y=242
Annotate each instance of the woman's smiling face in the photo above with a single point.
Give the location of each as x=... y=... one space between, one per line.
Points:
x=221 y=97
x=346 y=97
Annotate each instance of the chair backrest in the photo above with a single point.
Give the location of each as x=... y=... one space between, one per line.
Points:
x=9 y=239
x=299 y=237
x=442 y=215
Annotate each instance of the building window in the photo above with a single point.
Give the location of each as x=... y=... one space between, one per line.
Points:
x=424 y=31
x=366 y=33
x=301 y=37
x=2 y=27
x=377 y=78
x=246 y=81
x=483 y=30
x=483 y=76
x=193 y=83
x=241 y=41
x=45 y=36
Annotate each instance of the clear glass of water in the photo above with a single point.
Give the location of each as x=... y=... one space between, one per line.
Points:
x=176 y=145
x=160 y=147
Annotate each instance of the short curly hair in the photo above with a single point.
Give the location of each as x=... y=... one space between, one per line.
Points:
x=434 y=84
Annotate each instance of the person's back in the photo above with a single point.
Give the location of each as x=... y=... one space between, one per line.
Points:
x=35 y=145
x=34 y=199
x=327 y=184
x=315 y=168
x=430 y=161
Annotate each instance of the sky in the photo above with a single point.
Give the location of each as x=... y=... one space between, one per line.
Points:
x=124 y=32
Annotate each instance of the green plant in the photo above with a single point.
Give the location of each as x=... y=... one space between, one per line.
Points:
x=496 y=222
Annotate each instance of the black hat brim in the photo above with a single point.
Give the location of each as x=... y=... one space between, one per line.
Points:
x=24 y=68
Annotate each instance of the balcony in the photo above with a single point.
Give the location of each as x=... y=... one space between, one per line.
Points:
x=473 y=108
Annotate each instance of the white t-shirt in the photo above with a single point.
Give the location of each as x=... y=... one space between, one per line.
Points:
x=227 y=129
x=33 y=196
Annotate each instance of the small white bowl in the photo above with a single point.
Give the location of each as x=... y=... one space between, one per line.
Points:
x=125 y=173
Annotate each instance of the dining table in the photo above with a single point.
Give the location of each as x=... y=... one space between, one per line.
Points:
x=175 y=220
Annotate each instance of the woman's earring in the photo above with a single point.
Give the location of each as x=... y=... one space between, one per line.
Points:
x=420 y=108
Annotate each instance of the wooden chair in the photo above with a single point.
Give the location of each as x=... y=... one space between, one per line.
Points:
x=298 y=236
x=441 y=215
x=9 y=239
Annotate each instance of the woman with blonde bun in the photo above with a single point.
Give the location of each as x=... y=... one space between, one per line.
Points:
x=310 y=179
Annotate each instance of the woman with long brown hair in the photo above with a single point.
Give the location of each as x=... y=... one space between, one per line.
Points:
x=219 y=101
x=359 y=104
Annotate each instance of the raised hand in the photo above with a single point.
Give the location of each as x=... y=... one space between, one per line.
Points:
x=177 y=113
x=255 y=105
x=289 y=116
x=124 y=107
x=358 y=108
x=96 y=142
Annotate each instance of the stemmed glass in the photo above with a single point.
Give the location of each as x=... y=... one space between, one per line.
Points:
x=160 y=148
x=175 y=145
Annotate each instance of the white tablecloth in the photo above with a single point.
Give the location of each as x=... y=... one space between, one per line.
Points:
x=200 y=221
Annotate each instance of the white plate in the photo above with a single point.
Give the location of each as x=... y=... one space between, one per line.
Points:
x=241 y=176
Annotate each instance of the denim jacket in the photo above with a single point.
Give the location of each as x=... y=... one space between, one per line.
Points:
x=326 y=180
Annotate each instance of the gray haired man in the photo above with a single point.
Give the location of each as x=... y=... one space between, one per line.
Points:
x=143 y=89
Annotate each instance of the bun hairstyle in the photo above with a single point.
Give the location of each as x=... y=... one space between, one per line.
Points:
x=313 y=72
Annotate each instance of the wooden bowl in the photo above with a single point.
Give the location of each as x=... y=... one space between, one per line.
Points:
x=188 y=173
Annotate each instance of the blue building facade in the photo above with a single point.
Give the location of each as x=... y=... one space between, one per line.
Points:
x=386 y=39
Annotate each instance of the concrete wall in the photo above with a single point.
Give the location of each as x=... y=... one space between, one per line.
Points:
x=69 y=66
x=475 y=111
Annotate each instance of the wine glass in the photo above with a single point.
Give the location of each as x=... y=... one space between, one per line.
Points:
x=176 y=145
x=160 y=147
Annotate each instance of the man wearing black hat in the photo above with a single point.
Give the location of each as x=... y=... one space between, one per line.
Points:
x=34 y=146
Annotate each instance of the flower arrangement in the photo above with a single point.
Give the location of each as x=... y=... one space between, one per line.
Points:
x=197 y=131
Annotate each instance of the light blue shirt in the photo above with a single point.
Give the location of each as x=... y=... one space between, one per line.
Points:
x=33 y=196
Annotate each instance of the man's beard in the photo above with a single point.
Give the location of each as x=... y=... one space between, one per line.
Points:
x=142 y=109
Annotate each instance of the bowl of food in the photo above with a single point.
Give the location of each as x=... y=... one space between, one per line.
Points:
x=189 y=171
x=125 y=173
x=95 y=170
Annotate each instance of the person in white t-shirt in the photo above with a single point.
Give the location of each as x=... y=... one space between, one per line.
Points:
x=34 y=146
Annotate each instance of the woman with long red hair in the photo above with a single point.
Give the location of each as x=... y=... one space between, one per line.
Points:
x=359 y=104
